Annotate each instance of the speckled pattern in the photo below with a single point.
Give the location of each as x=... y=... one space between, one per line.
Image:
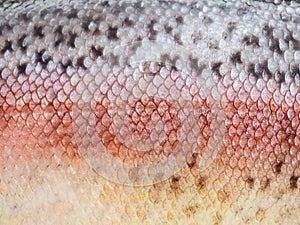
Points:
x=149 y=112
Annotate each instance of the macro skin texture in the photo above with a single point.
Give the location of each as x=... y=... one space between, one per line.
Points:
x=149 y=112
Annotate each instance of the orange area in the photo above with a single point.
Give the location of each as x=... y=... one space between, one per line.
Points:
x=261 y=143
x=151 y=123
x=36 y=131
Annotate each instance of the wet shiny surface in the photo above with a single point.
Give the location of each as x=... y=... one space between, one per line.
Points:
x=143 y=113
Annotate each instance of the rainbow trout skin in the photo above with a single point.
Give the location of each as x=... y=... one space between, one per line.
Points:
x=149 y=112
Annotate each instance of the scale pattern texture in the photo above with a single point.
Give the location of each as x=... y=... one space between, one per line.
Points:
x=149 y=112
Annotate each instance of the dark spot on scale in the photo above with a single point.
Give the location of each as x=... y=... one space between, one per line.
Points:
x=279 y=78
x=24 y=17
x=179 y=20
x=190 y=209
x=147 y=71
x=58 y=40
x=278 y=167
x=265 y=183
x=5 y=27
x=111 y=33
x=207 y=20
x=227 y=33
x=174 y=182
x=259 y=70
x=250 y=182
x=7 y=47
x=117 y=9
x=58 y=29
x=168 y=60
x=21 y=42
x=213 y=44
x=251 y=40
x=200 y=182
x=250 y=68
x=294 y=69
x=165 y=3
x=192 y=161
x=127 y=22
x=138 y=6
x=71 y=40
x=38 y=31
x=193 y=63
x=22 y=68
x=215 y=68
x=295 y=45
x=174 y=68
x=2 y=30
x=72 y=14
x=98 y=18
x=80 y=62
x=58 y=11
x=8 y=26
x=262 y=69
x=45 y=61
x=96 y=32
x=66 y=64
x=135 y=44
x=242 y=11
x=42 y=58
x=85 y=23
x=177 y=39
x=44 y=12
x=161 y=65
x=96 y=52
x=222 y=7
x=289 y=39
x=285 y=17
x=236 y=58
x=168 y=29
x=288 y=2
x=293 y=182
x=105 y=3
x=267 y=31
x=231 y=26
x=274 y=45
x=152 y=32
x=290 y=133
x=39 y=55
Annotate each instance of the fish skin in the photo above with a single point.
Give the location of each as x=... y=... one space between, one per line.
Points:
x=149 y=112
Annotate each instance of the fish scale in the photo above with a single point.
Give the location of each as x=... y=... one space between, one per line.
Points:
x=149 y=112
